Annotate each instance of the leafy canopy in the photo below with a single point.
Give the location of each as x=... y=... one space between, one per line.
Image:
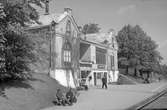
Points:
x=90 y=28
x=136 y=48
x=16 y=44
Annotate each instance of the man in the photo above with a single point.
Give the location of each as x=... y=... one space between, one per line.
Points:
x=60 y=97
x=104 y=81
x=70 y=96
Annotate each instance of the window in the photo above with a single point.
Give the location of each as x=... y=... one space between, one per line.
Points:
x=112 y=60
x=67 y=53
x=100 y=56
x=67 y=56
x=68 y=28
x=112 y=42
x=67 y=46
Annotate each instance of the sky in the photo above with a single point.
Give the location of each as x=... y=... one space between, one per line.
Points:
x=151 y=15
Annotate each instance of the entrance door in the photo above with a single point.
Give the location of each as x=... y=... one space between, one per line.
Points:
x=99 y=77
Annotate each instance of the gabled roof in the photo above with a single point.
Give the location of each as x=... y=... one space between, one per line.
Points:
x=95 y=37
x=98 y=38
x=47 y=19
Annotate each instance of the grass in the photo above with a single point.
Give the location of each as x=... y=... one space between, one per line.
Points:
x=29 y=95
x=123 y=79
x=129 y=79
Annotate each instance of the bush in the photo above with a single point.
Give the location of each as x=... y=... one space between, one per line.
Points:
x=18 y=50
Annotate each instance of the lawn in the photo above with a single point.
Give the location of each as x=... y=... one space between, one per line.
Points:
x=29 y=95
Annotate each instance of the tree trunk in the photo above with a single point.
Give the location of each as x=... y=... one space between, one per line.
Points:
x=135 y=72
x=147 y=78
x=127 y=67
x=141 y=73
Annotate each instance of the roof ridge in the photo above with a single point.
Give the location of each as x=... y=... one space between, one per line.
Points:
x=47 y=19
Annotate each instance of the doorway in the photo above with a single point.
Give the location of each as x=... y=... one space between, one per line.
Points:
x=97 y=78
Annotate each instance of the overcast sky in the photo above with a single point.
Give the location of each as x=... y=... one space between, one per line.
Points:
x=151 y=15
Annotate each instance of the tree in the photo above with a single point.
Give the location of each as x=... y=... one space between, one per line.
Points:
x=17 y=46
x=137 y=48
x=90 y=28
x=163 y=68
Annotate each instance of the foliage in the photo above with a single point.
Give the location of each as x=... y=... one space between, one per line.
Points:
x=137 y=49
x=18 y=47
x=164 y=69
x=90 y=28
x=41 y=50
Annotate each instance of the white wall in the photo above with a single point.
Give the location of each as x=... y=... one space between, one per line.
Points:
x=64 y=77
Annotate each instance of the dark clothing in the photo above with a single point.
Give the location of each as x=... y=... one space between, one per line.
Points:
x=60 y=98
x=90 y=78
x=104 y=82
x=71 y=97
x=59 y=95
x=69 y=94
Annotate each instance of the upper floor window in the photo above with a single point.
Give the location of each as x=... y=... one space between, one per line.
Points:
x=112 y=42
x=67 y=53
x=112 y=60
x=68 y=28
x=100 y=56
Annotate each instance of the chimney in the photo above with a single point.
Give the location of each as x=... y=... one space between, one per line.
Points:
x=111 y=35
x=47 y=7
x=68 y=10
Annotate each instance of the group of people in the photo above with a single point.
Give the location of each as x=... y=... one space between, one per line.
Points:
x=65 y=99
x=70 y=97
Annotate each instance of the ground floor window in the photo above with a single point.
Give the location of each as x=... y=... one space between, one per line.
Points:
x=84 y=74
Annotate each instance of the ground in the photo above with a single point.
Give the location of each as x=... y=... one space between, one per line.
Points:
x=39 y=93
x=32 y=95
x=116 y=97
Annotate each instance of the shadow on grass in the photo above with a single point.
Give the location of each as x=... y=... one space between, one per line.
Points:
x=36 y=79
x=13 y=84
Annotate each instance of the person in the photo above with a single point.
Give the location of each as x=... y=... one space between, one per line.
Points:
x=104 y=81
x=90 y=78
x=60 y=97
x=71 y=97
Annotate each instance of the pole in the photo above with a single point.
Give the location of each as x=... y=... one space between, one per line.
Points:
x=52 y=31
x=50 y=51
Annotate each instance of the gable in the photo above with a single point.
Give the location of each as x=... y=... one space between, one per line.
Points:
x=61 y=28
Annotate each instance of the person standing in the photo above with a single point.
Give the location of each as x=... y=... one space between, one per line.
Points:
x=104 y=81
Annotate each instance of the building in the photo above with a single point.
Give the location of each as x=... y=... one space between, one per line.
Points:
x=98 y=57
x=72 y=56
x=63 y=38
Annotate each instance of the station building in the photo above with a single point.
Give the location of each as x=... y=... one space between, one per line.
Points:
x=75 y=57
